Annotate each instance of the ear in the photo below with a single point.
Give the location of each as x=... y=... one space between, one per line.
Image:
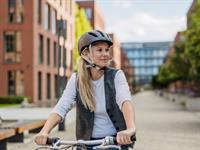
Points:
x=85 y=52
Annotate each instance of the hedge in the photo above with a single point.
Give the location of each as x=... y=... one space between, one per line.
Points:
x=11 y=99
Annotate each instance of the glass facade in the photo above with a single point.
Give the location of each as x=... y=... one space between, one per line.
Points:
x=146 y=59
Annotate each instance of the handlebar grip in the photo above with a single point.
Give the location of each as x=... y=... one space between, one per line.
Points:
x=133 y=138
x=51 y=141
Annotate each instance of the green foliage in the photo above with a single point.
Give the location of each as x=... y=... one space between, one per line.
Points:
x=155 y=83
x=165 y=75
x=179 y=63
x=82 y=25
x=184 y=64
x=11 y=99
x=193 y=43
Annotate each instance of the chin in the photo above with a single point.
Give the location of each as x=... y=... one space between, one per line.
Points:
x=107 y=65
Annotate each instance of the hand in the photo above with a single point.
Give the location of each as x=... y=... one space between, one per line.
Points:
x=41 y=138
x=124 y=136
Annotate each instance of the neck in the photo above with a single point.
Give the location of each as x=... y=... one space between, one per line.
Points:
x=96 y=74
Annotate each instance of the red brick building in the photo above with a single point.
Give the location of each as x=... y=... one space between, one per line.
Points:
x=30 y=46
x=128 y=70
x=116 y=52
x=93 y=14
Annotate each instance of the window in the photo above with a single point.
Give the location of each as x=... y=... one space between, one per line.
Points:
x=64 y=57
x=48 y=88
x=88 y=12
x=16 y=83
x=47 y=17
x=39 y=86
x=12 y=47
x=11 y=83
x=48 y=51
x=55 y=54
x=40 y=11
x=40 y=49
x=59 y=56
x=55 y=85
x=53 y=19
x=64 y=29
x=15 y=11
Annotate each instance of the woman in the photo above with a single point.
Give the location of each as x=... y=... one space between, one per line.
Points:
x=101 y=95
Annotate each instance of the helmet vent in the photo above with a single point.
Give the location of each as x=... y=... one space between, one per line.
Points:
x=90 y=33
x=100 y=33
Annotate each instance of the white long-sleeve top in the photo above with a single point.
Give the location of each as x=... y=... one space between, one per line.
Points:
x=102 y=123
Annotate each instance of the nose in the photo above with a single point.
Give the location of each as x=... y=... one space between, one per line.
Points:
x=106 y=53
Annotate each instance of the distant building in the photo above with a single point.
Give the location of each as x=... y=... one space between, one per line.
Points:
x=146 y=59
x=116 y=52
x=31 y=48
x=128 y=70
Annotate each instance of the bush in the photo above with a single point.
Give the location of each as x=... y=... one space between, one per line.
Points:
x=11 y=99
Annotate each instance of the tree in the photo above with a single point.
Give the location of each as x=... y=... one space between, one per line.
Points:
x=179 y=63
x=82 y=25
x=166 y=76
x=193 y=44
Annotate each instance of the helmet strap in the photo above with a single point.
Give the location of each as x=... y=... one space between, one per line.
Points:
x=90 y=63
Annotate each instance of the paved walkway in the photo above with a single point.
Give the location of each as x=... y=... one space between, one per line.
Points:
x=164 y=125
x=161 y=125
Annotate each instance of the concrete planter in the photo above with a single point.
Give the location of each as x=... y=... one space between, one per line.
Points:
x=193 y=104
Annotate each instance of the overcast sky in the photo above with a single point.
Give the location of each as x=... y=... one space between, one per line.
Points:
x=144 y=20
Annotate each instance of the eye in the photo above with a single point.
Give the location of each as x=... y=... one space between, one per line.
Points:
x=107 y=50
x=99 y=49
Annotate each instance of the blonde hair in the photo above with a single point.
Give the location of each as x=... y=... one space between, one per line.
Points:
x=85 y=87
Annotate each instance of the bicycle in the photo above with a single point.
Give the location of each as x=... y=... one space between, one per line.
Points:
x=101 y=144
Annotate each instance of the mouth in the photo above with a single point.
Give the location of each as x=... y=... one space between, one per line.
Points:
x=104 y=59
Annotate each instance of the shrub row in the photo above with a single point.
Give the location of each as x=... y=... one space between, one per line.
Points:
x=11 y=99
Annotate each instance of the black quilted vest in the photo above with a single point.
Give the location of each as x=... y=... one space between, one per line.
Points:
x=85 y=118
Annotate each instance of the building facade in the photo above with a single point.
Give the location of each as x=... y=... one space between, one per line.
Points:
x=115 y=52
x=35 y=47
x=93 y=14
x=146 y=59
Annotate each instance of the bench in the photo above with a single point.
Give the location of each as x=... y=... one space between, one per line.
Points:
x=33 y=126
x=4 y=135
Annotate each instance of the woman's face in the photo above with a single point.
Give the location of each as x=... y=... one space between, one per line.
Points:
x=101 y=54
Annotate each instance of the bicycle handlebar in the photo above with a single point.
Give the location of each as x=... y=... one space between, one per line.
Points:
x=107 y=142
x=110 y=141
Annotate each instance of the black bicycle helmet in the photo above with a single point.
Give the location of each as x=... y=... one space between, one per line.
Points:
x=92 y=37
